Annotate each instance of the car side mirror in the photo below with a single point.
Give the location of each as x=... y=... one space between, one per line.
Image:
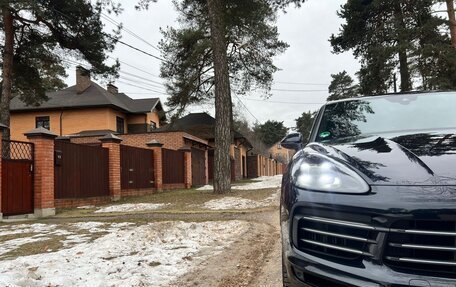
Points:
x=292 y=141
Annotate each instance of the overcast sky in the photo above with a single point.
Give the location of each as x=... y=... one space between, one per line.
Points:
x=308 y=60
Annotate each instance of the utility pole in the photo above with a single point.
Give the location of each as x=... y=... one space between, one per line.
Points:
x=452 y=20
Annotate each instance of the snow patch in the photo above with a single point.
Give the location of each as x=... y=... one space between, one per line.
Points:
x=155 y=253
x=131 y=207
x=231 y=202
x=263 y=182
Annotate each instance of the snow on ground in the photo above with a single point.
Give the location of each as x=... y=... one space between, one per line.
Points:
x=262 y=183
x=259 y=183
x=131 y=207
x=153 y=254
x=231 y=202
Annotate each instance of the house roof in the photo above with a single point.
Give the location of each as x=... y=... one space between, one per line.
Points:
x=93 y=96
x=201 y=125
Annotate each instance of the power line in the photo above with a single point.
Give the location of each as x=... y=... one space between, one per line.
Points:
x=300 y=83
x=282 y=102
x=140 y=82
x=245 y=107
x=140 y=87
x=142 y=78
x=301 y=91
x=142 y=51
x=136 y=68
x=112 y=21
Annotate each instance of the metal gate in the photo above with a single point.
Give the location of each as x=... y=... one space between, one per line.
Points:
x=173 y=166
x=137 y=168
x=81 y=171
x=17 y=177
x=198 y=167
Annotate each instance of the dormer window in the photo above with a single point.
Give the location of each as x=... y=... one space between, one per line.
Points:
x=43 y=122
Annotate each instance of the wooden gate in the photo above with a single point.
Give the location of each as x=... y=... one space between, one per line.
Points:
x=137 y=167
x=17 y=177
x=81 y=171
x=198 y=167
x=173 y=166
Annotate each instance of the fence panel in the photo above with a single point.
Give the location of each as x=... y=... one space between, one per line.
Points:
x=173 y=166
x=137 y=167
x=81 y=171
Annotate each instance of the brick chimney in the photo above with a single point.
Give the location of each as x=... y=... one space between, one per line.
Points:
x=112 y=89
x=82 y=79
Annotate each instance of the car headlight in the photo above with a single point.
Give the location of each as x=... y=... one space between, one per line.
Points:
x=320 y=173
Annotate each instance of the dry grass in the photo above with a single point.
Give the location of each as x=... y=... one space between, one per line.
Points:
x=49 y=245
x=180 y=201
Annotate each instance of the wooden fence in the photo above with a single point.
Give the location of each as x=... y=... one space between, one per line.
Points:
x=81 y=171
x=173 y=166
x=137 y=168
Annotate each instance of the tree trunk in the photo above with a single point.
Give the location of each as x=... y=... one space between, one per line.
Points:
x=452 y=21
x=223 y=105
x=7 y=68
x=402 y=44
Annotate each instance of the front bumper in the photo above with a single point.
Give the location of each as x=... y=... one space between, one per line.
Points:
x=381 y=209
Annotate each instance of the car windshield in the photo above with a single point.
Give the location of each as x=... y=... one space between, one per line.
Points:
x=387 y=114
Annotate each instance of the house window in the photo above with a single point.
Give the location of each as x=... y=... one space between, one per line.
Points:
x=153 y=125
x=43 y=122
x=120 y=125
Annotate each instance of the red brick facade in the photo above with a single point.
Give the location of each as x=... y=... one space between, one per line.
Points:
x=114 y=168
x=259 y=165
x=43 y=173
x=75 y=202
x=170 y=140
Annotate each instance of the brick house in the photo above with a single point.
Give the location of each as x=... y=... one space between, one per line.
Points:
x=202 y=125
x=87 y=109
x=281 y=154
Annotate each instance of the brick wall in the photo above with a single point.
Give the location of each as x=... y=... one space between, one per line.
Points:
x=170 y=140
x=138 y=192
x=43 y=172
x=75 y=202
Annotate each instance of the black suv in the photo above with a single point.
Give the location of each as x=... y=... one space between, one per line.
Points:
x=371 y=199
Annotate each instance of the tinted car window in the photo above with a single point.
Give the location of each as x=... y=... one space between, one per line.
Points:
x=387 y=114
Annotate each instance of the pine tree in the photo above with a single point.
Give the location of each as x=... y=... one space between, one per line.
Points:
x=271 y=132
x=395 y=34
x=304 y=124
x=38 y=35
x=342 y=87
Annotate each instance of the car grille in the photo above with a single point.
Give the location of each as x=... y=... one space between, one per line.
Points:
x=335 y=238
x=422 y=246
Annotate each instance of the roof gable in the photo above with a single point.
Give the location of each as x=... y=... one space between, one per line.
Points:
x=93 y=96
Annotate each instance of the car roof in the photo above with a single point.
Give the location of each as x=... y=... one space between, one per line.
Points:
x=389 y=95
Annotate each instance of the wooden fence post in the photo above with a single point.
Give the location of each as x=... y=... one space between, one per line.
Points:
x=2 y=127
x=112 y=143
x=188 y=166
x=158 y=165
x=43 y=179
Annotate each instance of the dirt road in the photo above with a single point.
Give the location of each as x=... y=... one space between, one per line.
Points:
x=253 y=260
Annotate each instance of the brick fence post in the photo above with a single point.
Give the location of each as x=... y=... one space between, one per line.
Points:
x=43 y=177
x=187 y=166
x=158 y=165
x=112 y=143
x=2 y=127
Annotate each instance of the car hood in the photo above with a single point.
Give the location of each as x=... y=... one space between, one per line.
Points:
x=423 y=159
